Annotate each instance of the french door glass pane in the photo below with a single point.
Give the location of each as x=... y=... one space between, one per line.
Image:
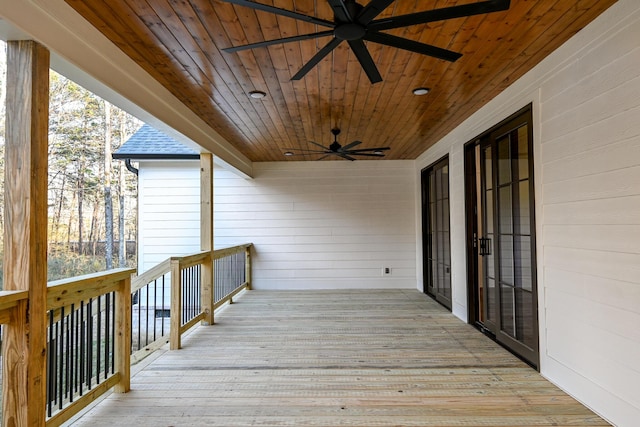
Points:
x=524 y=216
x=506 y=259
x=523 y=153
x=507 y=310
x=505 y=210
x=504 y=160
x=524 y=326
x=488 y=168
x=488 y=226
x=491 y=298
x=522 y=254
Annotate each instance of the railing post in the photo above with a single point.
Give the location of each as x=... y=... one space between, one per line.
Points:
x=176 y=305
x=123 y=336
x=25 y=229
x=247 y=266
x=207 y=290
x=206 y=235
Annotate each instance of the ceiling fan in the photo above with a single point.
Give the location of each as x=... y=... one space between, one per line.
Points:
x=355 y=23
x=335 y=149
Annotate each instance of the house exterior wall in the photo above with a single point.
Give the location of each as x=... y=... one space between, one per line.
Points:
x=168 y=210
x=315 y=225
x=586 y=113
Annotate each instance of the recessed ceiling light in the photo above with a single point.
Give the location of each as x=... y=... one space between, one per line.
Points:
x=288 y=153
x=421 y=91
x=257 y=94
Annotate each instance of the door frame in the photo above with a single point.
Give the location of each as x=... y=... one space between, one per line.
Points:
x=471 y=228
x=426 y=243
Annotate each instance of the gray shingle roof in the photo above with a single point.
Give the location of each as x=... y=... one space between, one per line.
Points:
x=150 y=143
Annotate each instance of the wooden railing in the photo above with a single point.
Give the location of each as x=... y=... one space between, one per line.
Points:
x=94 y=334
x=232 y=268
x=88 y=349
x=187 y=299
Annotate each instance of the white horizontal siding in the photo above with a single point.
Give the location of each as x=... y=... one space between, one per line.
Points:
x=322 y=224
x=586 y=105
x=168 y=211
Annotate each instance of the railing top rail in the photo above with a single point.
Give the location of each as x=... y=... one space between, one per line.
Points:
x=150 y=275
x=191 y=260
x=221 y=253
x=10 y=299
x=184 y=261
x=61 y=293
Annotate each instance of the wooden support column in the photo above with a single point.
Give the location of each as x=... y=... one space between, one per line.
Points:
x=206 y=234
x=122 y=354
x=247 y=267
x=25 y=233
x=175 y=333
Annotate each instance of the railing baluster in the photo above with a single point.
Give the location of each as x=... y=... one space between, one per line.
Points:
x=50 y=366
x=83 y=343
x=155 y=308
x=163 y=317
x=89 y=342
x=60 y=357
x=107 y=342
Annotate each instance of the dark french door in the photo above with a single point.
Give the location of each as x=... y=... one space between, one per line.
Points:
x=436 y=236
x=501 y=235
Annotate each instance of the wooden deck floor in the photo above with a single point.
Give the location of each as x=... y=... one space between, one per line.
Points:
x=338 y=358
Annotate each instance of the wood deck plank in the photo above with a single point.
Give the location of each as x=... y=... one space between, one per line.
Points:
x=338 y=358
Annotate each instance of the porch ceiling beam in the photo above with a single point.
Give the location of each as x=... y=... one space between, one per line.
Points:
x=25 y=231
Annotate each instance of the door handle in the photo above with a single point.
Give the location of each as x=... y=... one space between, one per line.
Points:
x=485 y=246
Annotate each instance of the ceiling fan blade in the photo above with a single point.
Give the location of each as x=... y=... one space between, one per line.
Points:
x=371 y=10
x=366 y=154
x=319 y=145
x=279 y=41
x=413 y=46
x=365 y=59
x=345 y=156
x=340 y=11
x=316 y=58
x=363 y=150
x=323 y=157
x=351 y=145
x=440 y=14
x=282 y=12
x=305 y=151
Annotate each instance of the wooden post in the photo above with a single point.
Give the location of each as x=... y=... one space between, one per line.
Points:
x=247 y=266
x=176 y=305
x=25 y=258
x=206 y=234
x=123 y=336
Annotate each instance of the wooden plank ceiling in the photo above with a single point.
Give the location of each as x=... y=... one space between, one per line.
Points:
x=180 y=42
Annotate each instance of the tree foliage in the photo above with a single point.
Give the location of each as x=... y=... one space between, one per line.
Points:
x=79 y=185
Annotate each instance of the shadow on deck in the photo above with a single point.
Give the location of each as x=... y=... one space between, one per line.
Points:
x=336 y=358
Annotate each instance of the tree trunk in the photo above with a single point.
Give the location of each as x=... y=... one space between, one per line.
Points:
x=108 y=200
x=80 y=215
x=70 y=223
x=56 y=222
x=95 y=227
